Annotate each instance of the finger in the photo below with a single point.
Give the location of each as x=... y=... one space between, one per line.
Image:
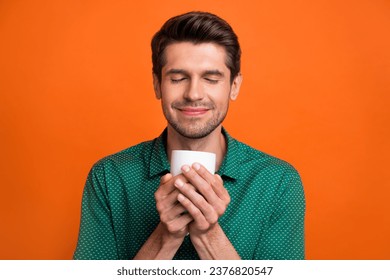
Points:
x=166 y=203
x=179 y=224
x=202 y=185
x=196 y=199
x=166 y=185
x=173 y=213
x=214 y=180
x=222 y=194
x=219 y=189
x=171 y=199
x=203 y=172
x=165 y=178
x=201 y=221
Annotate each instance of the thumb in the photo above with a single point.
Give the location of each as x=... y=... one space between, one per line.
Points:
x=165 y=178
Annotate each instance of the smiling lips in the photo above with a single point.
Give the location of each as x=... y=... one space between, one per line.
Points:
x=193 y=111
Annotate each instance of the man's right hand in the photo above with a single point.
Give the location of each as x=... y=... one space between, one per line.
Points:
x=166 y=239
x=173 y=216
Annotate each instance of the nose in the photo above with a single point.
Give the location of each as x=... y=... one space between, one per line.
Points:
x=194 y=91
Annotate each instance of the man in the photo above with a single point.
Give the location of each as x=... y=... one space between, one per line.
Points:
x=252 y=208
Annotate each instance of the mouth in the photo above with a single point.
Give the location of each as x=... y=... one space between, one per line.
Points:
x=193 y=111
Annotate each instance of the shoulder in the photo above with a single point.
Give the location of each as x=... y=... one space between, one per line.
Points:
x=137 y=155
x=258 y=160
x=270 y=176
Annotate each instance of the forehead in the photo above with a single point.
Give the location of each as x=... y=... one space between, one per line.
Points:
x=195 y=57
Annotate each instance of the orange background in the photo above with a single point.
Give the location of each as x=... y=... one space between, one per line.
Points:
x=75 y=85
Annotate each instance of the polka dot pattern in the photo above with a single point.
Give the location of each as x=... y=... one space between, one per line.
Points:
x=264 y=220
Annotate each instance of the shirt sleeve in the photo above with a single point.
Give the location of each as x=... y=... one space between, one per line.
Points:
x=283 y=237
x=96 y=237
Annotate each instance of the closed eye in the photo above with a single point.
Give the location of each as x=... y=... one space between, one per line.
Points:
x=211 y=81
x=175 y=81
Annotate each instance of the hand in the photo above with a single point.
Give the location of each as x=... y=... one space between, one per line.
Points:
x=203 y=196
x=169 y=234
x=173 y=216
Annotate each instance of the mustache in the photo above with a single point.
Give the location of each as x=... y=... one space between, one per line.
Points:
x=182 y=104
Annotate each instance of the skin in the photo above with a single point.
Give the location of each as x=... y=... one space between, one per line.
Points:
x=195 y=91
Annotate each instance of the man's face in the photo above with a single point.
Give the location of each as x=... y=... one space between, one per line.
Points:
x=195 y=88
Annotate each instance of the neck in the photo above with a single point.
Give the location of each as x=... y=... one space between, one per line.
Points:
x=214 y=143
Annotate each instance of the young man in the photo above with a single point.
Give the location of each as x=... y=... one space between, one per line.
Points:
x=252 y=208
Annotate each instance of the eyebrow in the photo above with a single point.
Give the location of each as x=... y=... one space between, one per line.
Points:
x=213 y=73
x=176 y=71
x=205 y=73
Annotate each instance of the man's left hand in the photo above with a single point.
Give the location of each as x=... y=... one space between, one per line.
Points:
x=204 y=197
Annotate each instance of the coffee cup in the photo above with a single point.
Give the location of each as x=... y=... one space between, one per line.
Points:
x=186 y=157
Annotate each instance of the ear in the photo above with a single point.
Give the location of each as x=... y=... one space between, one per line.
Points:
x=156 y=87
x=235 y=89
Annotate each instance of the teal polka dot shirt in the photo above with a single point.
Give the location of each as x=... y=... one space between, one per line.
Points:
x=264 y=220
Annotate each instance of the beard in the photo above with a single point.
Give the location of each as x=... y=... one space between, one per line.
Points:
x=195 y=128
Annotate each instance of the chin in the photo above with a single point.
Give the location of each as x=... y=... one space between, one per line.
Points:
x=194 y=133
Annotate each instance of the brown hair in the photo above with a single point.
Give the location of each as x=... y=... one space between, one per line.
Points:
x=196 y=27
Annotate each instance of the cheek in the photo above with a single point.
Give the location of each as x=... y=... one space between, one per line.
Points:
x=221 y=96
x=166 y=103
x=171 y=91
x=167 y=100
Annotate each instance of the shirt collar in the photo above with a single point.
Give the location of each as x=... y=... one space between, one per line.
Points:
x=231 y=163
x=159 y=164
x=230 y=166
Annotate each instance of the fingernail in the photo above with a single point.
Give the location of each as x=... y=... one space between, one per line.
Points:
x=196 y=166
x=185 y=168
x=179 y=183
x=180 y=197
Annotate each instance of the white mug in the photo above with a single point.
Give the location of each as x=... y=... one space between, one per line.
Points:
x=185 y=157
